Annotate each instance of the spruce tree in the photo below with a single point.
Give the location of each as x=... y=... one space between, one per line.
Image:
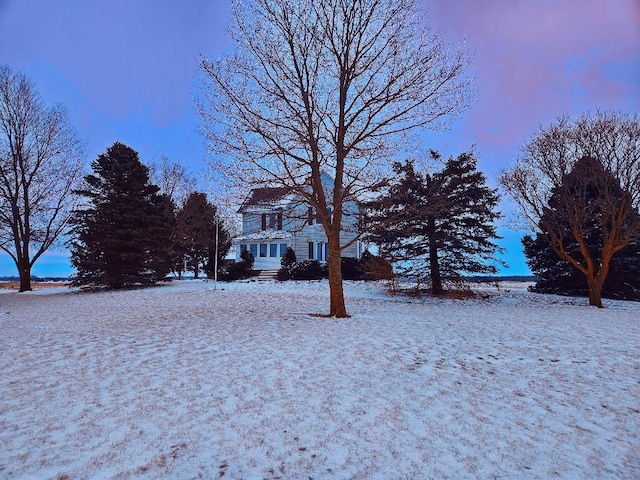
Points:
x=194 y=236
x=557 y=276
x=441 y=226
x=122 y=235
x=288 y=263
x=580 y=214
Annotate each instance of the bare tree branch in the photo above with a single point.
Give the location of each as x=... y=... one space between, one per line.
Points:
x=326 y=86
x=41 y=160
x=577 y=172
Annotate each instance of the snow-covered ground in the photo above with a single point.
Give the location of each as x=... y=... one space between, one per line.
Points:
x=182 y=381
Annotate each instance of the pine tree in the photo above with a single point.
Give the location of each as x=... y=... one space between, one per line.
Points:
x=288 y=260
x=581 y=215
x=194 y=236
x=442 y=225
x=554 y=275
x=591 y=165
x=162 y=254
x=122 y=236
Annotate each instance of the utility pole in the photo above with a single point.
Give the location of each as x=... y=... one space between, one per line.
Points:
x=215 y=261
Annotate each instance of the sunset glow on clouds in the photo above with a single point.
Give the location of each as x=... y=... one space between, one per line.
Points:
x=125 y=70
x=538 y=60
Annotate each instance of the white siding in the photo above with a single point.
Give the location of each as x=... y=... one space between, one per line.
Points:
x=295 y=220
x=251 y=223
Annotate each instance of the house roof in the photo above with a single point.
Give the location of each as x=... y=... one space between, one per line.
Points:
x=269 y=198
x=264 y=196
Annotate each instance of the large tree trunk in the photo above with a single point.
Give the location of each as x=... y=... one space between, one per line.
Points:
x=594 y=277
x=336 y=291
x=434 y=264
x=25 y=275
x=594 y=287
x=596 y=282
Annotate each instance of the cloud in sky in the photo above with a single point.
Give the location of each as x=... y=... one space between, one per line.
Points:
x=124 y=56
x=125 y=68
x=537 y=60
x=533 y=60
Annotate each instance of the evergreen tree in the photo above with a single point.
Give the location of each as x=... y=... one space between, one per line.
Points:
x=590 y=167
x=440 y=226
x=287 y=264
x=195 y=234
x=554 y=274
x=558 y=276
x=163 y=254
x=122 y=236
x=581 y=213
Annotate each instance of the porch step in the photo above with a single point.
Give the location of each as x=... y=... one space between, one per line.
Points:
x=268 y=275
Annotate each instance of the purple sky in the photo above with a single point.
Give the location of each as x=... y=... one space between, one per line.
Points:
x=125 y=70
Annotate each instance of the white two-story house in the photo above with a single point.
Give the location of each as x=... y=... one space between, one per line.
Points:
x=276 y=218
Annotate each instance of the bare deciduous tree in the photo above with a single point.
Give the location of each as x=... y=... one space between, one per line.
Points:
x=598 y=196
x=173 y=178
x=326 y=86
x=41 y=162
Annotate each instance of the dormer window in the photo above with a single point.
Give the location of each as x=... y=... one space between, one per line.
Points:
x=271 y=220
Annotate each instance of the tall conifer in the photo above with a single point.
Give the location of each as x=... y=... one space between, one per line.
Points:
x=582 y=213
x=194 y=236
x=439 y=226
x=121 y=236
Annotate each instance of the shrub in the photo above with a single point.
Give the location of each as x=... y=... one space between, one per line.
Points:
x=307 y=270
x=369 y=267
x=374 y=267
x=287 y=263
x=283 y=275
x=233 y=271
x=288 y=259
x=248 y=259
x=238 y=270
x=351 y=269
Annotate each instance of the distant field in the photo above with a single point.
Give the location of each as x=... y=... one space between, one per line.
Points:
x=34 y=285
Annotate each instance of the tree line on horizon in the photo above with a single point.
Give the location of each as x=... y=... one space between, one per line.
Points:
x=333 y=86
x=438 y=226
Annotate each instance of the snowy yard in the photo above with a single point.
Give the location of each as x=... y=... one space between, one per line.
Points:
x=181 y=381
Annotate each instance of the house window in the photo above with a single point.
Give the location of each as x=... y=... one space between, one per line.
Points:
x=318 y=251
x=273 y=250
x=243 y=247
x=310 y=216
x=253 y=248
x=283 y=247
x=263 y=249
x=271 y=220
x=322 y=251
